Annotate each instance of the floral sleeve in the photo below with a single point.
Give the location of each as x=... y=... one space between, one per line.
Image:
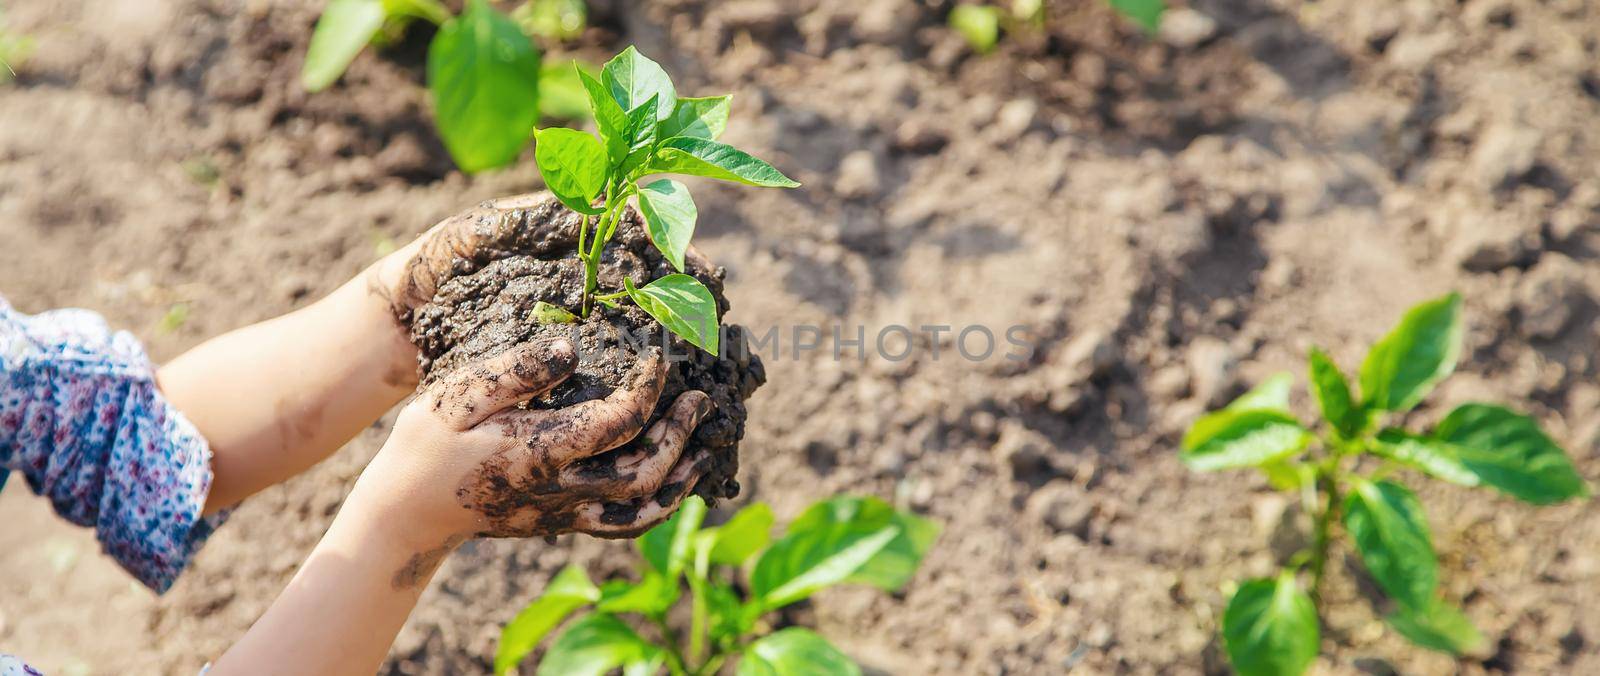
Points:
x=82 y=422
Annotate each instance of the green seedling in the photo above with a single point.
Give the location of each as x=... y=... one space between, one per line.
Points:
x=487 y=79
x=14 y=49
x=980 y=25
x=1342 y=473
x=646 y=129
x=842 y=540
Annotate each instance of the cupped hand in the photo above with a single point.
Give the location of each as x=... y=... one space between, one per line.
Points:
x=465 y=460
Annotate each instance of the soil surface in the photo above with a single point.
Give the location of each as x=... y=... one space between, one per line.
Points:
x=1171 y=217
x=485 y=307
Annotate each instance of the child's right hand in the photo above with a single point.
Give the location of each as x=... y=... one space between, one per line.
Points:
x=465 y=461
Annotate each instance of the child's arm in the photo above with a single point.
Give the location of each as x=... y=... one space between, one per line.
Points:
x=463 y=462
x=274 y=398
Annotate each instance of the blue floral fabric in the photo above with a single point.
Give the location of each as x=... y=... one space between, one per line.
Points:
x=83 y=424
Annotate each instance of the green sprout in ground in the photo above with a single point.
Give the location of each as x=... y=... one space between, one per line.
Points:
x=1270 y=626
x=646 y=129
x=843 y=540
x=14 y=49
x=488 y=82
x=980 y=24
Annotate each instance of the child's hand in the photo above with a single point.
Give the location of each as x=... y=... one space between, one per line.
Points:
x=465 y=461
x=409 y=277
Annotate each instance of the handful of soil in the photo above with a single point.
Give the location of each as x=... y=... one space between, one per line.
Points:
x=486 y=305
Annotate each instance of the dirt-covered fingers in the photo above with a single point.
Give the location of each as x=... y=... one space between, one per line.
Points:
x=644 y=468
x=475 y=393
x=630 y=518
x=592 y=427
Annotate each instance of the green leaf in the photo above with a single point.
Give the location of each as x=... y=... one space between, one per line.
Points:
x=1288 y=476
x=1402 y=367
x=1435 y=457
x=1242 y=438
x=669 y=214
x=609 y=118
x=484 y=76
x=573 y=165
x=683 y=305
x=666 y=547
x=345 y=27
x=742 y=536
x=558 y=20
x=845 y=539
x=1391 y=533
x=561 y=92
x=1333 y=395
x=795 y=651
x=701 y=157
x=1439 y=626
x=1270 y=628
x=641 y=135
x=728 y=617
x=596 y=644
x=1146 y=13
x=1509 y=452
x=632 y=79
x=703 y=117
x=427 y=10
x=653 y=594
x=545 y=313
x=1272 y=394
x=979 y=24
x=569 y=590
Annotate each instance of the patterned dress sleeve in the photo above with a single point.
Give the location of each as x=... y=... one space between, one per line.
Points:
x=84 y=425
x=12 y=666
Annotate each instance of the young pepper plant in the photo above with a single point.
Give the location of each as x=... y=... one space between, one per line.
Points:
x=487 y=80
x=1270 y=626
x=645 y=129
x=842 y=540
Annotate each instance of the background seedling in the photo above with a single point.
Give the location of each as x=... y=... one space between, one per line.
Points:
x=843 y=540
x=645 y=128
x=486 y=77
x=1342 y=474
x=981 y=24
x=14 y=49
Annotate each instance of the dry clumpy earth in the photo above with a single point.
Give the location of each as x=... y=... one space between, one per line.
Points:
x=1174 y=218
x=486 y=306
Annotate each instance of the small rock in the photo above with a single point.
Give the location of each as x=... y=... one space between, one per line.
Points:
x=883 y=21
x=858 y=175
x=1063 y=508
x=1186 y=28
x=1211 y=364
x=1026 y=453
x=1549 y=296
x=918 y=136
x=1016 y=118
x=1169 y=383
x=403 y=156
x=1089 y=354
x=1487 y=242
x=1503 y=155
x=1142 y=199
x=759 y=17
x=1417 y=51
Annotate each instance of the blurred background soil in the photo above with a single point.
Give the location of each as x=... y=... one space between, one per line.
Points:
x=1175 y=217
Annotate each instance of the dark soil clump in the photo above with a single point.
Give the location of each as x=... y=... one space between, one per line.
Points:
x=486 y=305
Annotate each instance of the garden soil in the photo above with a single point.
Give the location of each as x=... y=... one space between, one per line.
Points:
x=1170 y=218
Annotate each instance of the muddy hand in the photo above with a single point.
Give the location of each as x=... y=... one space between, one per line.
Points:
x=485 y=467
x=409 y=277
